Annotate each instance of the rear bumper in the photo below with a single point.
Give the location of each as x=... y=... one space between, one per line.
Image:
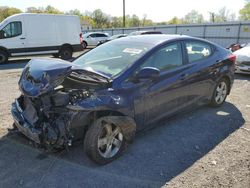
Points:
x=23 y=125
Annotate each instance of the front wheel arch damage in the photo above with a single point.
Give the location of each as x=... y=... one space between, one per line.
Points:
x=72 y=126
x=126 y=123
x=126 y=127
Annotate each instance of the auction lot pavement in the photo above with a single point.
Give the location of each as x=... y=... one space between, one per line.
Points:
x=208 y=147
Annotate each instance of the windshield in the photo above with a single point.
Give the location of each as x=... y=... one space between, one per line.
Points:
x=113 y=57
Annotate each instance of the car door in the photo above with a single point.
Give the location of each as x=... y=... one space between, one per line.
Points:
x=100 y=37
x=166 y=94
x=13 y=37
x=201 y=71
x=92 y=39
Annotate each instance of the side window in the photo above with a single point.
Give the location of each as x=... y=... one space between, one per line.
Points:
x=13 y=29
x=93 y=35
x=197 y=50
x=101 y=35
x=168 y=57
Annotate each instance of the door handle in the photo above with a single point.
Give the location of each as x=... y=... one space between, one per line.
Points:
x=183 y=76
x=22 y=38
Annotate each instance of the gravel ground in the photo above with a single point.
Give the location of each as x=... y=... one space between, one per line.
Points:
x=207 y=147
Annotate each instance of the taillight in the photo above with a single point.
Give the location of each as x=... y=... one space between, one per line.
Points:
x=232 y=58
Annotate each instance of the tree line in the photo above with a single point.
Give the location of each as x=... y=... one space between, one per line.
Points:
x=99 y=19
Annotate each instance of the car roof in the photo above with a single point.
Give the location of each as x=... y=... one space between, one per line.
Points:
x=152 y=39
x=89 y=33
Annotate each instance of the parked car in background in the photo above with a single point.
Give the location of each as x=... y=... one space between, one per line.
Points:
x=121 y=87
x=144 y=33
x=234 y=47
x=243 y=60
x=112 y=38
x=92 y=39
x=34 y=34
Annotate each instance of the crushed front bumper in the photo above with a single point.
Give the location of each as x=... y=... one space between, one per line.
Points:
x=23 y=125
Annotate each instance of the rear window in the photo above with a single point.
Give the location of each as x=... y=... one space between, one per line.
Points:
x=197 y=50
x=100 y=35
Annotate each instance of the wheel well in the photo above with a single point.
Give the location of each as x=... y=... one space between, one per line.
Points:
x=228 y=82
x=97 y=114
x=92 y=116
x=66 y=46
x=85 y=42
x=5 y=50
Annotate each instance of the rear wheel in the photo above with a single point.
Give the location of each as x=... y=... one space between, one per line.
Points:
x=3 y=57
x=220 y=93
x=104 y=141
x=66 y=53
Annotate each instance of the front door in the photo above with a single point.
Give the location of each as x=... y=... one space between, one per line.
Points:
x=166 y=94
x=13 y=37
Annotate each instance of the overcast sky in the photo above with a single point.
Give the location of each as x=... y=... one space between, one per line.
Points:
x=157 y=10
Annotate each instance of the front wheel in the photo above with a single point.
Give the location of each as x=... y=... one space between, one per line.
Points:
x=84 y=44
x=104 y=141
x=3 y=57
x=220 y=93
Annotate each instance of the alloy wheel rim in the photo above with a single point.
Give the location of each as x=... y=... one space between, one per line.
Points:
x=221 y=92
x=109 y=141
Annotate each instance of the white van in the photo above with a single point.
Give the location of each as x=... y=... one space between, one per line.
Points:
x=33 y=34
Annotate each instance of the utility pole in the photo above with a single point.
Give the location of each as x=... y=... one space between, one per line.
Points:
x=212 y=16
x=124 y=25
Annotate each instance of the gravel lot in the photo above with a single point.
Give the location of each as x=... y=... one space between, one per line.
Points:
x=208 y=147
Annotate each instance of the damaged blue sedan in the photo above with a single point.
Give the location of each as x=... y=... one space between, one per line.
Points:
x=117 y=89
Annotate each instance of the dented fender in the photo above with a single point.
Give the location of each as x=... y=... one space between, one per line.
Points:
x=103 y=102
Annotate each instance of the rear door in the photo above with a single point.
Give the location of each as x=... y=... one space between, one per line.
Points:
x=201 y=58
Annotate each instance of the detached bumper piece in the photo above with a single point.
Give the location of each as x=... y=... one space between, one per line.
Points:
x=23 y=125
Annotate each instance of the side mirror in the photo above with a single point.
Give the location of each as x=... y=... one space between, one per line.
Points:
x=89 y=36
x=148 y=73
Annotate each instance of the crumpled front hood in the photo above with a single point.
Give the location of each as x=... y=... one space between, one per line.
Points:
x=43 y=75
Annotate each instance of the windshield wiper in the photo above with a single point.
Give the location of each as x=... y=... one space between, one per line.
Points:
x=88 y=75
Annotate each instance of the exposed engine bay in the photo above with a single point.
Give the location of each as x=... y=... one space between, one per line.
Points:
x=43 y=110
x=49 y=116
x=59 y=102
